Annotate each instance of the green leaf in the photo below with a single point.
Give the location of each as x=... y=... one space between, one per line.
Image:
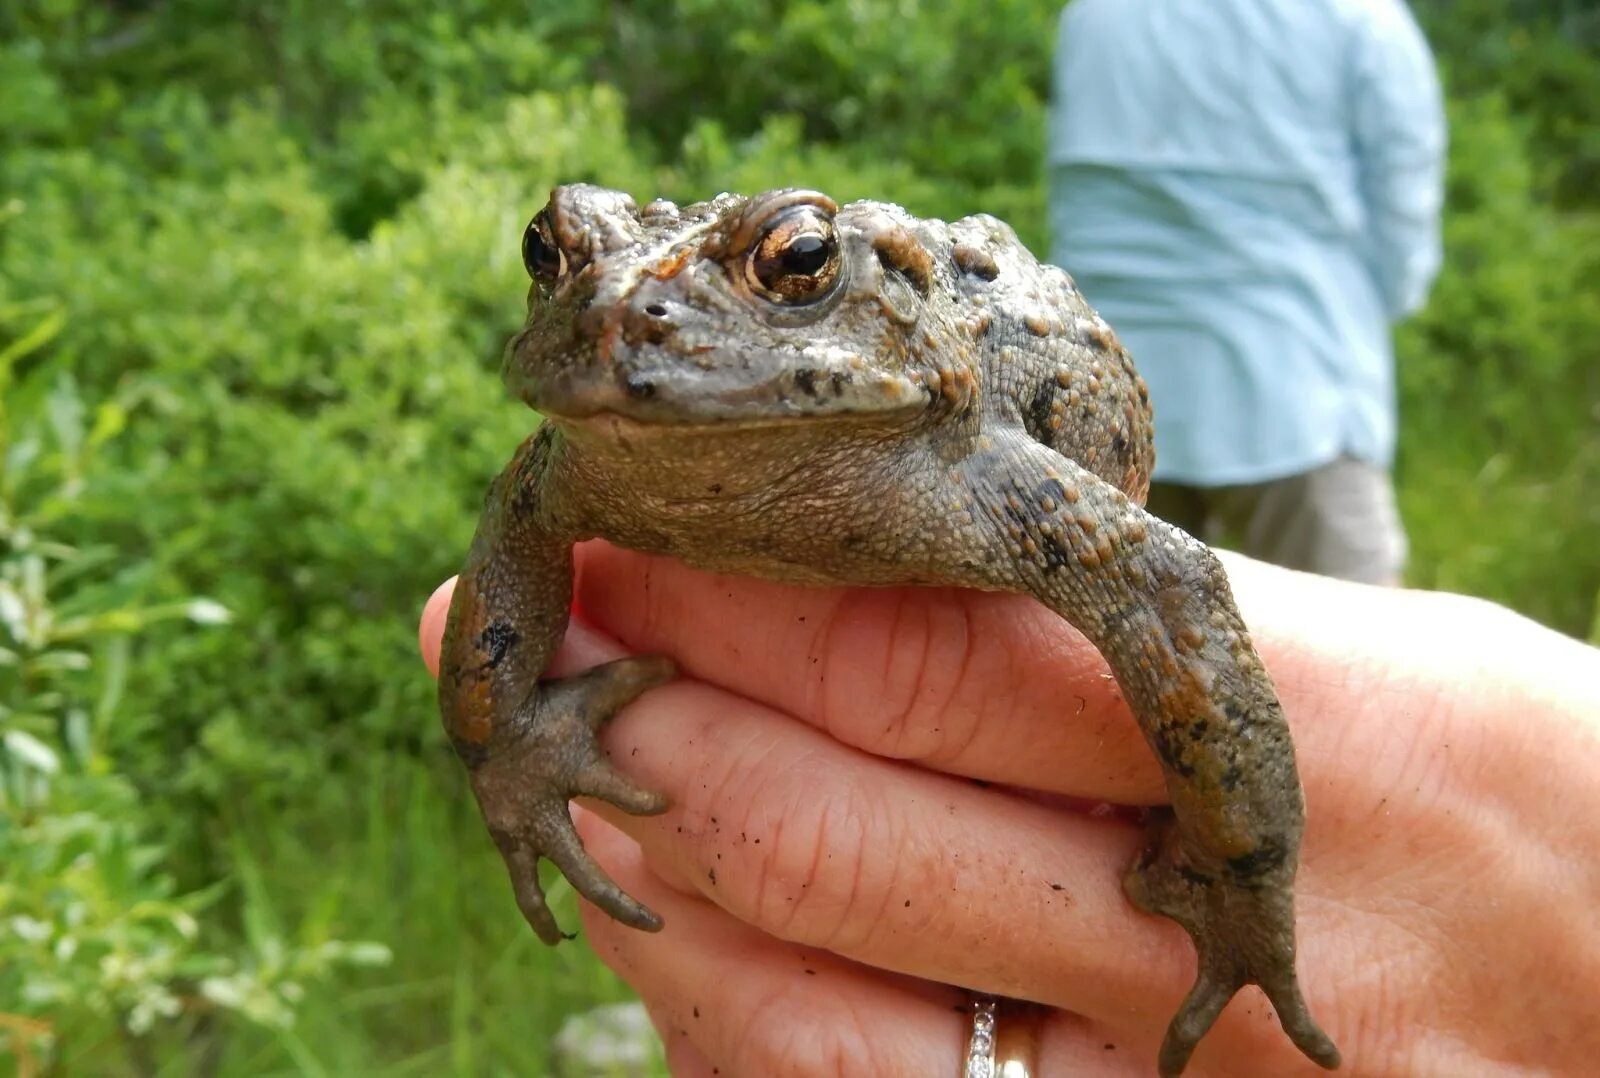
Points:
x=207 y=612
x=30 y=750
x=42 y=333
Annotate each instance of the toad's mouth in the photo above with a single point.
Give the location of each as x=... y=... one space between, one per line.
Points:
x=688 y=396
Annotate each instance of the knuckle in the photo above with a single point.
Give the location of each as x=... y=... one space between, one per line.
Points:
x=814 y=864
x=833 y=1041
x=900 y=693
x=821 y=885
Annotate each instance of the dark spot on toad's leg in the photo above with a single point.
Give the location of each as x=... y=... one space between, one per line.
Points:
x=1266 y=857
x=1039 y=411
x=1054 y=550
x=1165 y=740
x=1051 y=489
x=472 y=755
x=1238 y=718
x=498 y=640
x=806 y=381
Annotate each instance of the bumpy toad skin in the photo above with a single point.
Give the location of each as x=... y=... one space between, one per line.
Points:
x=781 y=387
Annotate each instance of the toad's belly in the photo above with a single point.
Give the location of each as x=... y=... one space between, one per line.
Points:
x=818 y=552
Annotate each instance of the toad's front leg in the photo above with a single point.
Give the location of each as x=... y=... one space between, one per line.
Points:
x=529 y=744
x=1221 y=861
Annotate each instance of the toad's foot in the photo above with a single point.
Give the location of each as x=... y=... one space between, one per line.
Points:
x=1243 y=933
x=550 y=755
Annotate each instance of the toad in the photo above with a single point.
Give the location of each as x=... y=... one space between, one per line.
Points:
x=783 y=387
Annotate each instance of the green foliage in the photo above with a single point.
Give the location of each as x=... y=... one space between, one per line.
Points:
x=1541 y=55
x=283 y=238
x=1500 y=379
x=97 y=942
x=1500 y=376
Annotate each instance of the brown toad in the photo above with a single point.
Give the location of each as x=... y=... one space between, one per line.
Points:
x=781 y=387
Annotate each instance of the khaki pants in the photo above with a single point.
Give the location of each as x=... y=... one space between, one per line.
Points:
x=1339 y=520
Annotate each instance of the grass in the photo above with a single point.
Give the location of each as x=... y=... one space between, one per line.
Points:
x=395 y=851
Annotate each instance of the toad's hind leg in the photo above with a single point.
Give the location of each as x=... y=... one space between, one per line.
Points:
x=1243 y=932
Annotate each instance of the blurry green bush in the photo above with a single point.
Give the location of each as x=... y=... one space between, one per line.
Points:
x=285 y=241
x=97 y=945
x=1499 y=466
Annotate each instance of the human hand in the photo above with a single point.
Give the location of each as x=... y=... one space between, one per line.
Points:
x=828 y=866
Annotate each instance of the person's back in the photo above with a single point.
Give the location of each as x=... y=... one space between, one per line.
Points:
x=1249 y=190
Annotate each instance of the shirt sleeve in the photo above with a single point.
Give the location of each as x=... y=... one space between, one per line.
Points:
x=1399 y=141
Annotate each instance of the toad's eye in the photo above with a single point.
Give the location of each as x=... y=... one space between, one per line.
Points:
x=540 y=253
x=796 y=260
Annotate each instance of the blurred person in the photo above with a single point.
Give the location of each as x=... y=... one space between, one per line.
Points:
x=1249 y=191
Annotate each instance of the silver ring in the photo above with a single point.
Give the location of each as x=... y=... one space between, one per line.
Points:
x=1010 y=1050
x=980 y=1046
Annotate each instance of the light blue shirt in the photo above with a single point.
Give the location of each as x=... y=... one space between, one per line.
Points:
x=1249 y=192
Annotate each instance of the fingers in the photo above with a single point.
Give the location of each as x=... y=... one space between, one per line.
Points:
x=684 y=1060
x=998 y=688
x=753 y=1005
x=922 y=874
x=824 y=846
x=989 y=686
x=897 y=867
x=731 y=1000
x=829 y=847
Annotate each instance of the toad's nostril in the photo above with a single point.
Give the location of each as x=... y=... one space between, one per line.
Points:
x=641 y=387
x=648 y=323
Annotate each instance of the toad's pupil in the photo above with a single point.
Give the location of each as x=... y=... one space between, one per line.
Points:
x=805 y=254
